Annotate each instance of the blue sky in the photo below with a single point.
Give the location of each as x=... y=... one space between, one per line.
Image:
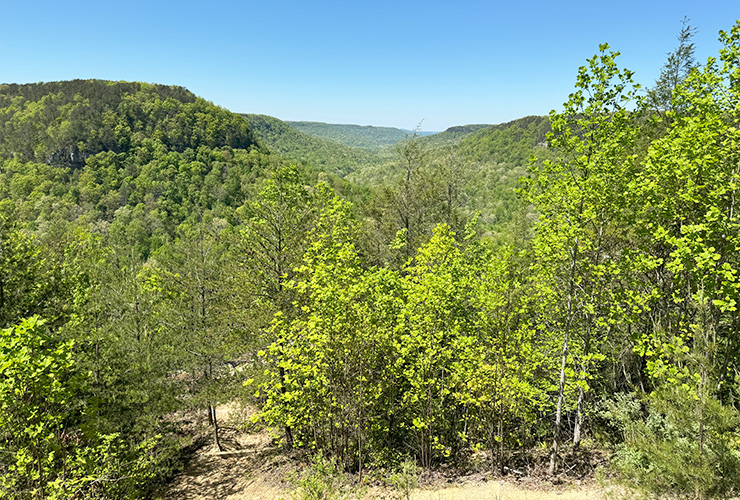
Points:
x=370 y=63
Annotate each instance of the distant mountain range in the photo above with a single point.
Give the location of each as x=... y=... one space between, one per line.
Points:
x=366 y=137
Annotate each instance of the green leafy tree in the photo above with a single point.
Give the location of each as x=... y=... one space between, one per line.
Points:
x=330 y=361
x=34 y=397
x=581 y=198
x=194 y=275
x=687 y=445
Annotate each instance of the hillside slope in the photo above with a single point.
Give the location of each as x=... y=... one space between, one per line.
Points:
x=367 y=137
x=62 y=123
x=498 y=156
x=322 y=153
x=451 y=136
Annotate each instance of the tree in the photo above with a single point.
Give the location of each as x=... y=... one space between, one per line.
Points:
x=273 y=229
x=674 y=72
x=34 y=394
x=580 y=198
x=331 y=360
x=272 y=240
x=195 y=276
x=687 y=444
x=401 y=217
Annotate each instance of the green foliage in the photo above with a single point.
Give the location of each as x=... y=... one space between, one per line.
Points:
x=660 y=455
x=406 y=479
x=50 y=446
x=322 y=481
x=22 y=274
x=369 y=138
x=324 y=153
x=34 y=396
x=203 y=331
x=134 y=159
x=496 y=156
x=379 y=360
x=451 y=136
x=687 y=443
x=581 y=233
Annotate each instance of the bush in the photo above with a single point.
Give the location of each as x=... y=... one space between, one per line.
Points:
x=406 y=479
x=323 y=481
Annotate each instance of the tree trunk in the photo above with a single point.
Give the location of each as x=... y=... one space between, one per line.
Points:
x=563 y=361
x=214 y=420
x=501 y=440
x=579 y=419
x=559 y=410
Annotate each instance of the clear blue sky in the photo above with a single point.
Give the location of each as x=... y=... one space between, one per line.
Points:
x=369 y=63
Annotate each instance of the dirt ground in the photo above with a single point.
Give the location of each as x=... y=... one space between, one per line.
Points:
x=252 y=467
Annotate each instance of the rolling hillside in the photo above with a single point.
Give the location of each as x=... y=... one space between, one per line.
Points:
x=369 y=138
x=322 y=153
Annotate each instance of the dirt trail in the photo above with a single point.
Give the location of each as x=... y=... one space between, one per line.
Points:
x=249 y=467
x=252 y=467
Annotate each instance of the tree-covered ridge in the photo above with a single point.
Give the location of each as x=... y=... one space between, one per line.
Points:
x=512 y=142
x=451 y=136
x=367 y=137
x=63 y=123
x=132 y=160
x=324 y=154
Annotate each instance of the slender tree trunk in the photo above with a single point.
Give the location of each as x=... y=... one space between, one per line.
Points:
x=559 y=409
x=2 y=296
x=578 y=427
x=563 y=360
x=359 y=448
x=288 y=431
x=501 y=440
x=579 y=419
x=214 y=420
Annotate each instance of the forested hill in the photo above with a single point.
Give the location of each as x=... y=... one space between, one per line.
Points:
x=325 y=154
x=63 y=123
x=451 y=136
x=366 y=137
x=511 y=142
x=134 y=160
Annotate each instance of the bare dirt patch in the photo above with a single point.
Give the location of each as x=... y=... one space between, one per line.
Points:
x=252 y=466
